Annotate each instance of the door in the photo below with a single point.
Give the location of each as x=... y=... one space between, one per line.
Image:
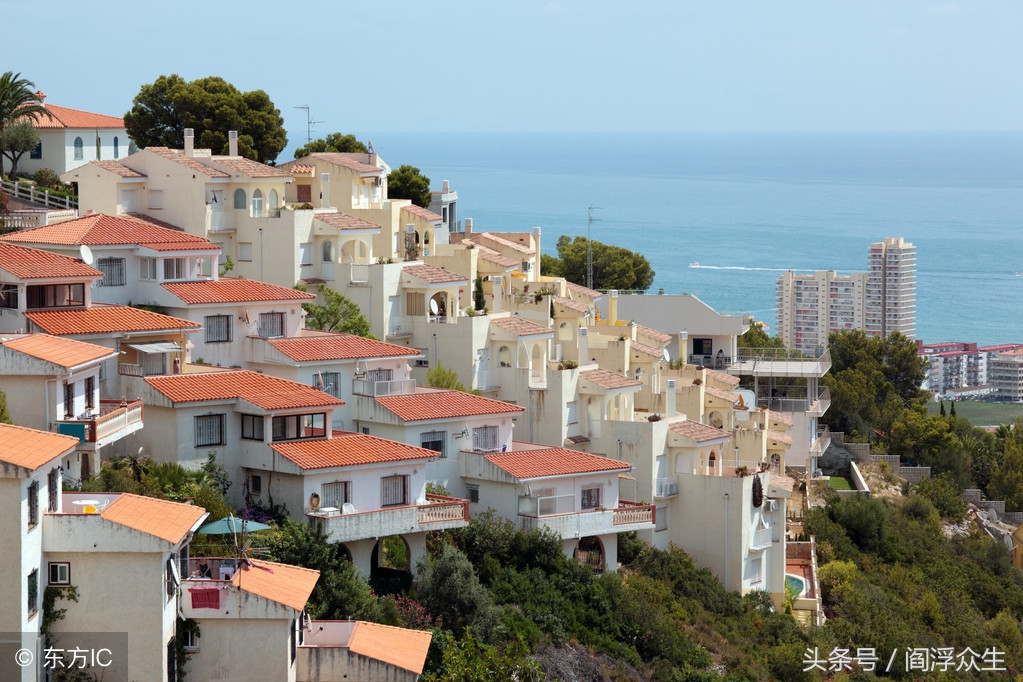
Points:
x=217 y=204
x=482 y=367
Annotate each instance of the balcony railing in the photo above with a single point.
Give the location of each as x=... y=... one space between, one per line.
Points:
x=780 y=362
x=762 y=538
x=667 y=486
x=821 y=442
x=437 y=513
x=114 y=416
x=572 y=523
x=372 y=387
x=441 y=508
x=712 y=361
x=631 y=512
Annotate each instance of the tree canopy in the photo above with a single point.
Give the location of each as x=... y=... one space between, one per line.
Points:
x=337 y=314
x=407 y=182
x=18 y=103
x=614 y=267
x=334 y=142
x=211 y=107
x=16 y=140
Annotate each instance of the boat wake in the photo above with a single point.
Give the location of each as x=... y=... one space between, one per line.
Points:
x=694 y=264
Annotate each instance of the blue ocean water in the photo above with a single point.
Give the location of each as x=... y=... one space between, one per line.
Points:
x=748 y=206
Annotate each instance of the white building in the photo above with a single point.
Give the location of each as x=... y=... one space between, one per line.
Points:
x=69 y=138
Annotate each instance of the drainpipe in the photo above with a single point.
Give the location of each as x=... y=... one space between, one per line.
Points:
x=726 y=541
x=261 y=254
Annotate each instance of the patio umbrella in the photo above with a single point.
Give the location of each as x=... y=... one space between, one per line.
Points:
x=232 y=525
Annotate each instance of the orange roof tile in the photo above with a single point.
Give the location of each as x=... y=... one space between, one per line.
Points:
x=31 y=449
x=340 y=159
x=105 y=319
x=233 y=290
x=65 y=117
x=299 y=169
x=605 y=378
x=339 y=347
x=526 y=464
x=433 y=404
x=577 y=306
x=779 y=417
x=66 y=353
x=178 y=157
x=267 y=392
x=27 y=263
x=164 y=519
x=400 y=647
x=248 y=168
x=348 y=449
x=520 y=326
x=786 y=483
x=498 y=242
x=583 y=291
x=100 y=229
x=117 y=168
x=779 y=436
x=722 y=377
x=424 y=213
x=653 y=334
x=343 y=221
x=281 y=583
x=701 y=433
x=431 y=274
x=719 y=393
x=647 y=350
x=492 y=256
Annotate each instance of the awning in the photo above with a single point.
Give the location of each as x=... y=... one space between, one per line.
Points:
x=627 y=477
x=163 y=347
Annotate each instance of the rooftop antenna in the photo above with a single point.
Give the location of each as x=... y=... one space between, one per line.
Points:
x=309 y=123
x=589 y=244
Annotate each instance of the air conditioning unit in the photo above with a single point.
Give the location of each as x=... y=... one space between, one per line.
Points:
x=771 y=505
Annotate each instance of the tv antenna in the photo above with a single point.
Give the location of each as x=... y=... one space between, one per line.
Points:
x=589 y=244
x=309 y=123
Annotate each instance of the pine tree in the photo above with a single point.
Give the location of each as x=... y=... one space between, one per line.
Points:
x=5 y=415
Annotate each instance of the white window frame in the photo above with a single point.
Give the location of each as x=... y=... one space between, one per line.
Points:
x=245 y=251
x=394 y=490
x=147 y=268
x=440 y=437
x=486 y=439
x=175 y=268
x=590 y=497
x=155 y=198
x=305 y=251
x=271 y=326
x=58 y=573
x=335 y=493
x=218 y=328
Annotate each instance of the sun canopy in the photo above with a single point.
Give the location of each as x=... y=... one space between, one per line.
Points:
x=165 y=347
x=232 y=525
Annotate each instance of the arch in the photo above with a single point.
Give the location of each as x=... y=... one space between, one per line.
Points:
x=327 y=249
x=441 y=297
x=536 y=361
x=79 y=149
x=393 y=552
x=523 y=356
x=117 y=145
x=712 y=461
x=504 y=356
x=348 y=552
x=564 y=332
x=275 y=199
x=716 y=419
x=257 y=204
x=590 y=552
x=240 y=202
x=776 y=462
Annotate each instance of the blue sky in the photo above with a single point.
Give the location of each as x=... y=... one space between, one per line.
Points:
x=567 y=65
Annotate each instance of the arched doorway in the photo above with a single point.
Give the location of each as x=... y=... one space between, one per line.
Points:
x=590 y=552
x=390 y=568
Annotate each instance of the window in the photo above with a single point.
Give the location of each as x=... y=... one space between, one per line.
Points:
x=256 y=484
x=271 y=325
x=472 y=491
x=305 y=252
x=703 y=346
x=156 y=198
x=328 y=382
x=244 y=250
x=117 y=151
x=591 y=498
x=191 y=640
x=484 y=439
x=209 y=430
x=99 y=147
x=328 y=252
x=434 y=440
x=55 y=295
x=393 y=491
x=415 y=304
x=147 y=268
x=174 y=268
x=754 y=570
x=69 y=400
x=275 y=200
x=573 y=412
x=9 y=296
x=218 y=328
x=252 y=427
x=170 y=571
x=33 y=504
x=335 y=494
x=661 y=518
x=79 y=149
x=37 y=151
x=90 y=390
x=239 y=199
x=293 y=639
x=53 y=488
x=257 y=204
x=113 y=272
x=295 y=426
x=60 y=573
x=33 y=591
x=305 y=193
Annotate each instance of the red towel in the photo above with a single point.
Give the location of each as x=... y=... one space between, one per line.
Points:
x=205 y=597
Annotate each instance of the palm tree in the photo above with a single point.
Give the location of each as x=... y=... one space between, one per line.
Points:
x=18 y=101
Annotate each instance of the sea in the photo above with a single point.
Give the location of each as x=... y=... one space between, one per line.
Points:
x=721 y=215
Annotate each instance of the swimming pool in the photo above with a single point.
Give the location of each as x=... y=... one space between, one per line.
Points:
x=796 y=582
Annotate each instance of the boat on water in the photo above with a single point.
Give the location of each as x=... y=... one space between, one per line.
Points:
x=1017 y=274
x=696 y=264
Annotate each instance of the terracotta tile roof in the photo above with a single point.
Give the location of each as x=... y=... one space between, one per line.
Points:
x=151 y=220
x=433 y=404
x=577 y=440
x=424 y=213
x=65 y=117
x=779 y=436
x=299 y=169
x=431 y=274
x=605 y=378
x=400 y=647
x=647 y=350
x=178 y=157
x=248 y=168
x=66 y=353
x=343 y=221
x=526 y=464
x=786 y=483
x=31 y=449
x=339 y=159
x=117 y=168
x=722 y=377
x=104 y=319
x=349 y=449
x=27 y=263
x=164 y=519
x=492 y=256
x=519 y=326
x=281 y=583
x=695 y=431
x=100 y=229
x=583 y=291
x=497 y=242
x=267 y=392
x=339 y=347
x=233 y=290
x=653 y=334
x=577 y=306
x=720 y=393
x=779 y=417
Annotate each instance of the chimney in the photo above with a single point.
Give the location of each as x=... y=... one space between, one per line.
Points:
x=177 y=365
x=232 y=143
x=584 y=346
x=536 y=245
x=498 y=284
x=40 y=95
x=324 y=190
x=445 y=187
x=669 y=399
x=189 y=142
x=683 y=343
x=468 y=225
x=612 y=306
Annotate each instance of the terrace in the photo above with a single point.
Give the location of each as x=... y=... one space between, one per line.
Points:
x=116 y=419
x=559 y=515
x=437 y=512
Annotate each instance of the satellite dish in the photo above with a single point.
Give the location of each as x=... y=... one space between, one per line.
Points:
x=86 y=253
x=433 y=306
x=667 y=357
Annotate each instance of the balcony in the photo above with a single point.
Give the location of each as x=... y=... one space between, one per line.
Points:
x=760 y=539
x=794 y=399
x=437 y=513
x=538 y=378
x=115 y=420
x=557 y=513
x=821 y=442
x=711 y=361
x=667 y=486
x=779 y=362
x=374 y=388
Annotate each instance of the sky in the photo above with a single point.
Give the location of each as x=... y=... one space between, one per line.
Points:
x=566 y=65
